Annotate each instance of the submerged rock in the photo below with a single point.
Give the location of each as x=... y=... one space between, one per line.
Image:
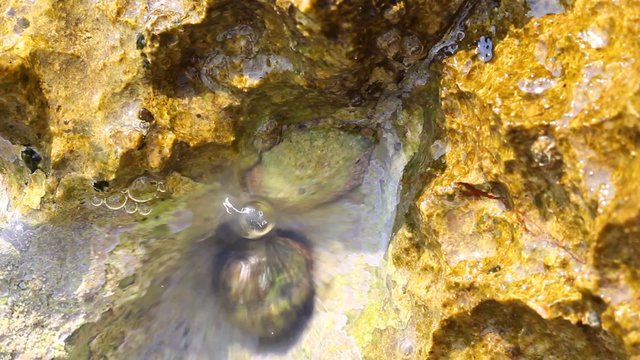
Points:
x=310 y=167
x=452 y=166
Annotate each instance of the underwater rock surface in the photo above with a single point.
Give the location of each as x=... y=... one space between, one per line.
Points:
x=464 y=175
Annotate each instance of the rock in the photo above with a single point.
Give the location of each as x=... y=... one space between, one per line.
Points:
x=529 y=120
x=455 y=165
x=297 y=173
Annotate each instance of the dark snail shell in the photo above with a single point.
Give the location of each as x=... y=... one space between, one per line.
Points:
x=265 y=285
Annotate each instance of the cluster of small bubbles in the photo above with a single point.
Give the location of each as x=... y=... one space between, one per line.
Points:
x=135 y=198
x=485 y=48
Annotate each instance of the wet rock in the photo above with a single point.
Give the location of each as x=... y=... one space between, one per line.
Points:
x=499 y=327
x=297 y=173
x=517 y=122
x=530 y=122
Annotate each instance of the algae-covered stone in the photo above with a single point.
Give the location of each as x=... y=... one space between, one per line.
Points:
x=517 y=217
x=310 y=167
x=529 y=198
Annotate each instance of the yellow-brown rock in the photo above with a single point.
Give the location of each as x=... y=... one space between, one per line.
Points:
x=517 y=232
x=535 y=214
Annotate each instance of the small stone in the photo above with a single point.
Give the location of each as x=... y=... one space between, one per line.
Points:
x=145 y=115
x=22 y=285
x=140 y=42
x=101 y=185
x=301 y=161
x=543 y=150
x=31 y=158
x=485 y=48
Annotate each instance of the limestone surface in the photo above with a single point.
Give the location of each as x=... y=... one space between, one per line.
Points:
x=466 y=172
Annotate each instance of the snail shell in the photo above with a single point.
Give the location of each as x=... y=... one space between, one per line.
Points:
x=265 y=285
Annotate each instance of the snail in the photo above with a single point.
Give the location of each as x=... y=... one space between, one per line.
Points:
x=262 y=274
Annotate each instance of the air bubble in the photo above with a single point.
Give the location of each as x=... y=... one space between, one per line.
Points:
x=144 y=209
x=116 y=201
x=254 y=220
x=162 y=186
x=142 y=189
x=96 y=200
x=131 y=207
